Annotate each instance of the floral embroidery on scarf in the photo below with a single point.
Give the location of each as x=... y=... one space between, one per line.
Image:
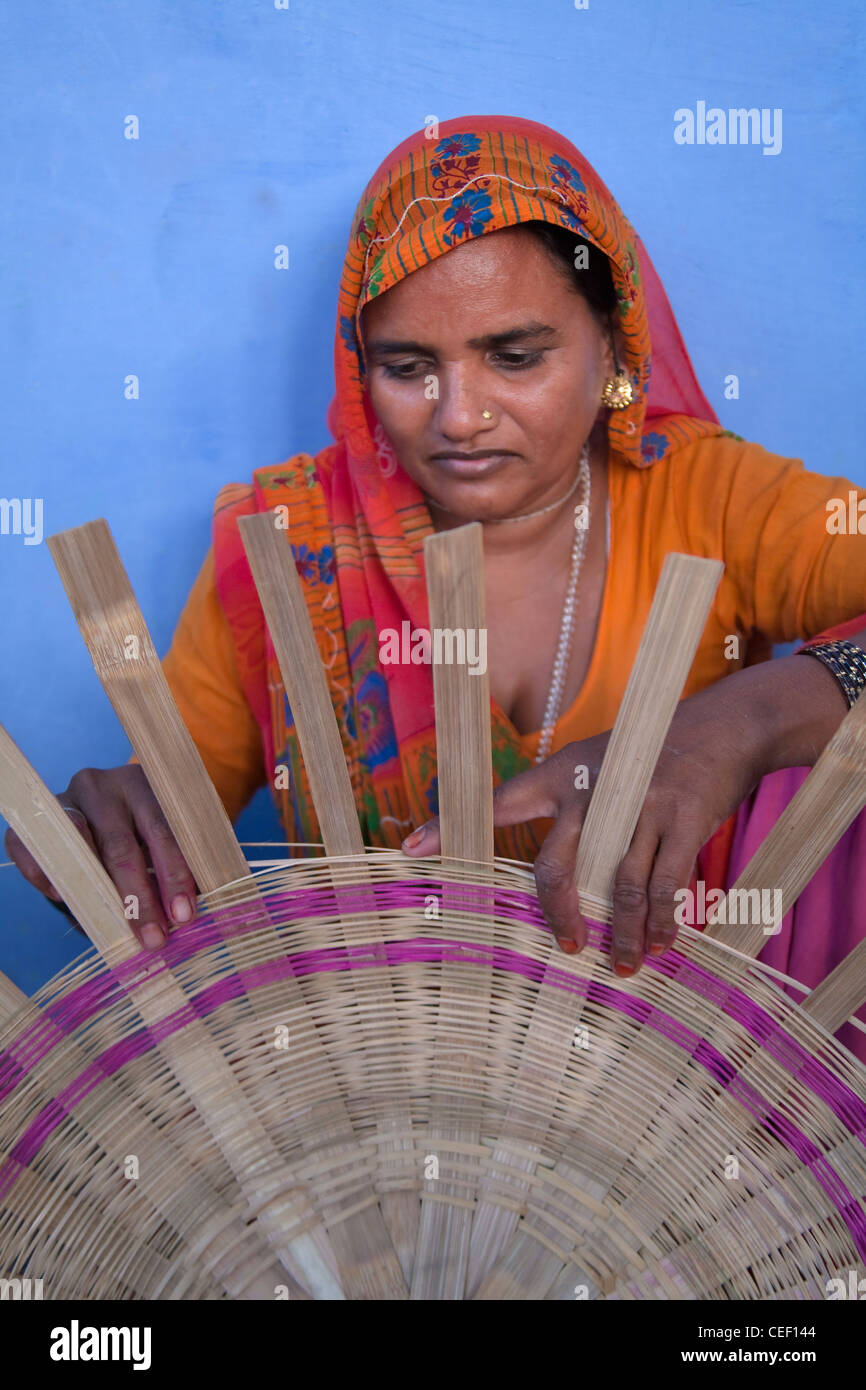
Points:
x=563 y=172
x=454 y=161
x=316 y=566
x=349 y=335
x=373 y=282
x=467 y=214
x=654 y=446
x=367 y=710
x=365 y=226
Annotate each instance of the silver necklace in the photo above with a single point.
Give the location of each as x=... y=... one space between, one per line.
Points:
x=566 y=631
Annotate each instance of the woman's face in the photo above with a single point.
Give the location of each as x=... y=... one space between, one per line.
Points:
x=491 y=325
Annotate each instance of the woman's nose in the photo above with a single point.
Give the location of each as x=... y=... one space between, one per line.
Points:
x=459 y=401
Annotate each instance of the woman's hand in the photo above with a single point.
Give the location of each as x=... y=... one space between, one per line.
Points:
x=714 y=755
x=120 y=818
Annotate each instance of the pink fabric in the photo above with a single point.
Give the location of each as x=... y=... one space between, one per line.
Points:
x=829 y=918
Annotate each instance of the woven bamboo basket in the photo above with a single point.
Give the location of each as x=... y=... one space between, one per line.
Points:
x=357 y=1075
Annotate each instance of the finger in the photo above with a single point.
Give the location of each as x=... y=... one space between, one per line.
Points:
x=176 y=884
x=671 y=872
x=425 y=840
x=123 y=857
x=554 y=881
x=531 y=795
x=631 y=899
x=28 y=866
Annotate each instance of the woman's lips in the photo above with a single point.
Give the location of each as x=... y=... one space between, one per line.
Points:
x=471 y=468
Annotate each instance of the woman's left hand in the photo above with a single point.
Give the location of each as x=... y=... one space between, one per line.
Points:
x=718 y=747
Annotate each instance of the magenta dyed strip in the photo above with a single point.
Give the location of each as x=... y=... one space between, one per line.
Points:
x=87 y=999
x=325 y=960
x=80 y=1004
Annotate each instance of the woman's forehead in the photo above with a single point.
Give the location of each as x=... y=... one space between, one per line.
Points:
x=506 y=265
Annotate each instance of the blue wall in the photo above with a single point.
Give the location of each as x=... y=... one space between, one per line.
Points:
x=260 y=126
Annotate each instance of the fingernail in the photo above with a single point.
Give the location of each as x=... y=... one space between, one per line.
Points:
x=566 y=944
x=656 y=948
x=152 y=936
x=624 y=970
x=414 y=839
x=181 y=908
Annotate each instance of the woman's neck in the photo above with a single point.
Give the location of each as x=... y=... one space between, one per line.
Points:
x=532 y=536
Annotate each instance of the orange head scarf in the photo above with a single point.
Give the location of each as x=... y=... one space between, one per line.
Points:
x=477 y=175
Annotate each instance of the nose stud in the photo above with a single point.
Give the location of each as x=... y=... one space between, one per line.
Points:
x=487 y=414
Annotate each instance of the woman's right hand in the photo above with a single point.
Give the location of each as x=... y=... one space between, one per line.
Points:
x=120 y=818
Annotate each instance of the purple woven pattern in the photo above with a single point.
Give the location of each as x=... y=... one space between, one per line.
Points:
x=70 y=1011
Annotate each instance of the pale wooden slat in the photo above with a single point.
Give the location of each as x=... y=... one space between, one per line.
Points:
x=219 y=1252
x=278 y=584
x=454 y=565
x=454 y=562
x=674 y=625
x=11 y=997
x=816 y=817
x=71 y=866
x=287 y=616
x=125 y=661
x=128 y=667
x=840 y=994
x=56 y=842
x=682 y=601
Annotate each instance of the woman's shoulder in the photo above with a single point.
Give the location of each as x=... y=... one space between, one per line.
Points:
x=708 y=476
x=719 y=457
x=296 y=473
x=295 y=488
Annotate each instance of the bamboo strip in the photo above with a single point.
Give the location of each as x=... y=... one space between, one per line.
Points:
x=129 y=670
x=126 y=662
x=303 y=675
x=189 y=1188
x=279 y=588
x=11 y=997
x=72 y=867
x=454 y=565
x=841 y=993
x=676 y=619
x=682 y=601
x=668 y=1224
x=816 y=817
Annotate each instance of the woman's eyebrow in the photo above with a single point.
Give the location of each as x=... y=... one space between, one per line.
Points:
x=525 y=332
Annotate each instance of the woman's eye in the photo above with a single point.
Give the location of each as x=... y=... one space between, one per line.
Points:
x=515 y=361
x=403 y=371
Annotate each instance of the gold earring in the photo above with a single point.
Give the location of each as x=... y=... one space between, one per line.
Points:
x=618 y=391
x=487 y=414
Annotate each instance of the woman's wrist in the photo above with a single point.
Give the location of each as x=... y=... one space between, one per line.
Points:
x=794 y=707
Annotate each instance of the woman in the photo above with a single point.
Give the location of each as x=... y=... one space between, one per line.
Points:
x=531 y=377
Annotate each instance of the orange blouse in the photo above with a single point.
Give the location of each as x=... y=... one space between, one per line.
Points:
x=787 y=576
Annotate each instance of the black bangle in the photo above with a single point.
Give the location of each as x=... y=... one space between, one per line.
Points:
x=847 y=662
